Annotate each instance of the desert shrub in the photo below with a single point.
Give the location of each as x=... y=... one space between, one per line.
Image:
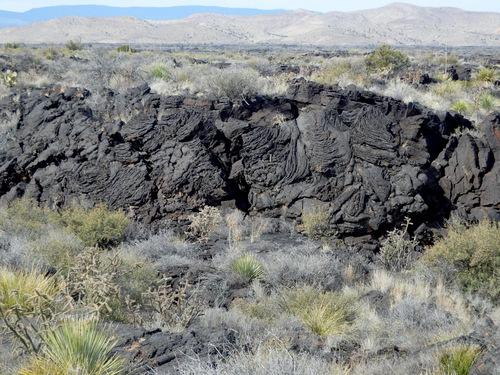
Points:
x=163 y=249
x=271 y=359
x=73 y=45
x=459 y=359
x=57 y=248
x=135 y=276
x=385 y=58
x=30 y=304
x=344 y=71
x=92 y=281
x=174 y=307
x=234 y=222
x=24 y=217
x=248 y=267
x=324 y=313
x=98 y=226
x=315 y=223
x=473 y=251
x=9 y=78
x=50 y=52
x=205 y=222
x=233 y=83
x=79 y=346
x=12 y=45
x=398 y=249
x=303 y=264
x=126 y=48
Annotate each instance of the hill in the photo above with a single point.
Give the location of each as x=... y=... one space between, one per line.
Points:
x=395 y=24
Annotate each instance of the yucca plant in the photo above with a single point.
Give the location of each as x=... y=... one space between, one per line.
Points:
x=30 y=303
x=79 y=346
x=459 y=359
x=487 y=75
x=248 y=267
x=461 y=106
x=487 y=102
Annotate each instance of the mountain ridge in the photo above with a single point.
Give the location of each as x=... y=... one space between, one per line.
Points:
x=397 y=24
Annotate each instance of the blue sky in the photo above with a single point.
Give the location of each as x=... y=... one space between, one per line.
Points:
x=314 y=5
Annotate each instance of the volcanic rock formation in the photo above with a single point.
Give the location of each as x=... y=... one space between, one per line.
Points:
x=369 y=160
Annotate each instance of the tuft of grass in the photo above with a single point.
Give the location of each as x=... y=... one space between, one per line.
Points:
x=248 y=267
x=459 y=359
x=324 y=313
x=78 y=346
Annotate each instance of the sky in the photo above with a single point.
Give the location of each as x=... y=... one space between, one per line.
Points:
x=313 y=5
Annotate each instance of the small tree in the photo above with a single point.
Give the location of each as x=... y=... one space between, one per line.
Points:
x=387 y=59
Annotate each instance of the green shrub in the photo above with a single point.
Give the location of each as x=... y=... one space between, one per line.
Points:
x=74 y=46
x=98 y=226
x=473 y=254
x=459 y=359
x=126 y=48
x=249 y=267
x=23 y=217
x=324 y=313
x=78 y=347
x=387 y=59
x=12 y=45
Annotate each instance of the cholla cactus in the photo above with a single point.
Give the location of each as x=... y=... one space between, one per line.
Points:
x=9 y=78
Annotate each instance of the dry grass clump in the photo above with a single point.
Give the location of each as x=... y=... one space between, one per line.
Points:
x=303 y=264
x=264 y=360
x=424 y=312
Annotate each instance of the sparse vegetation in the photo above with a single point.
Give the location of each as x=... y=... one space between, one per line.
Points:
x=471 y=256
x=286 y=301
x=387 y=59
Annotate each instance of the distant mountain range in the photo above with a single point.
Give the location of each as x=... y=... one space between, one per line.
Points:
x=395 y=24
x=146 y=13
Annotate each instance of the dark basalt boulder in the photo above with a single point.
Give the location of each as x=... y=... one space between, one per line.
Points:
x=369 y=160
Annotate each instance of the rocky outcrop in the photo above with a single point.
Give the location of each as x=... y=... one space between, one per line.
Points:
x=369 y=160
